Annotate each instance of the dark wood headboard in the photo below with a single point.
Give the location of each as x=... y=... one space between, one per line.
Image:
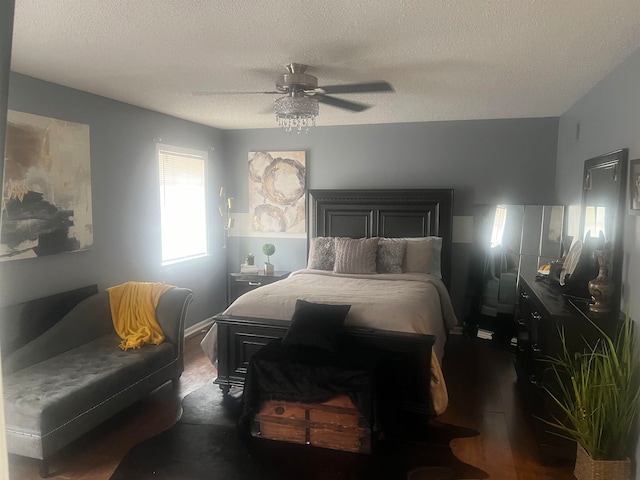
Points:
x=384 y=213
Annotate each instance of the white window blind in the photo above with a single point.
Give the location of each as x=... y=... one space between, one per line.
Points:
x=182 y=202
x=499 y=222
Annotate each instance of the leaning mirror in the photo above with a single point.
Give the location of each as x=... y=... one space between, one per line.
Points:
x=602 y=218
x=510 y=241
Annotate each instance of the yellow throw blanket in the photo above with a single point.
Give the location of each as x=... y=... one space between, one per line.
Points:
x=133 y=311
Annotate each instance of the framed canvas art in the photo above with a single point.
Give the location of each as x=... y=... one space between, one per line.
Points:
x=277 y=188
x=46 y=200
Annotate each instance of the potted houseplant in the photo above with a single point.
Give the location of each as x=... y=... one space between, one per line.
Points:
x=249 y=259
x=268 y=249
x=598 y=391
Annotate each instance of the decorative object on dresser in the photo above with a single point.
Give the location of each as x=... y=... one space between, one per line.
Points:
x=600 y=403
x=249 y=265
x=249 y=269
x=242 y=282
x=557 y=266
x=602 y=288
x=268 y=249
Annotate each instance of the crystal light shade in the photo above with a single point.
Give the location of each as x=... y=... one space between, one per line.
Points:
x=296 y=113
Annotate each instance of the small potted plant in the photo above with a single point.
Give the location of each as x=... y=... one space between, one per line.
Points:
x=249 y=259
x=268 y=249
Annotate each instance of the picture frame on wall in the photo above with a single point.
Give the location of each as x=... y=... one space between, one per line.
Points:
x=634 y=187
x=46 y=205
x=277 y=191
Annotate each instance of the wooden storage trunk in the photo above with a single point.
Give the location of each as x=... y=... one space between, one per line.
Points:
x=335 y=424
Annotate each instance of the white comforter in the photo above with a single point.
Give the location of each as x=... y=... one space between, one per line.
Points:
x=407 y=302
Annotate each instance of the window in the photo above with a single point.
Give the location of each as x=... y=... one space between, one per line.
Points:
x=499 y=222
x=594 y=222
x=182 y=203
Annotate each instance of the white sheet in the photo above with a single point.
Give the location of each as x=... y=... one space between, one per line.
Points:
x=408 y=302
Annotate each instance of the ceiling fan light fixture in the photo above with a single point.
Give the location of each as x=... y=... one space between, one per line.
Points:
x=296 y=113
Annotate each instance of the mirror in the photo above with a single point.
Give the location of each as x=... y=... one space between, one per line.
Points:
x=510 y=241
x=602 y=213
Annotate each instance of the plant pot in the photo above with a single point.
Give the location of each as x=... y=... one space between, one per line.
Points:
x=588 y=469
x=268 y=269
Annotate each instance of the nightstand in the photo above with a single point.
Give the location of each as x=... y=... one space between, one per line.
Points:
x=240 y=283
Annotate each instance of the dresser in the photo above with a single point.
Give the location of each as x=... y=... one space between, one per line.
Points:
x=240 y=283
x=542 y=313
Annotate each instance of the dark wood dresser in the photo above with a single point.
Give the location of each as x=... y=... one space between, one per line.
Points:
x=542 y=313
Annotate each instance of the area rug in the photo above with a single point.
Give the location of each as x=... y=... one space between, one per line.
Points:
x=204 y=444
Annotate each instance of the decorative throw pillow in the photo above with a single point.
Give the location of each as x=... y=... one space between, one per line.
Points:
x=316 y=325
x=321 y=253
x=355 y=255
x=423 y=256
x=390 y=255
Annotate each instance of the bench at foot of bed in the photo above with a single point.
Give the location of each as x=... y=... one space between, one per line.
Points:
x=405 y=375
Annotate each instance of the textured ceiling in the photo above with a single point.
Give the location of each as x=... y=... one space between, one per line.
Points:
x=447 y=59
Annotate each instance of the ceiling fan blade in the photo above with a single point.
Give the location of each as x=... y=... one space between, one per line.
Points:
x=358 y=88
x=340 y=103
x=203 y=94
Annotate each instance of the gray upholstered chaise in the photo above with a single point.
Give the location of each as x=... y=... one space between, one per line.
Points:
x=74 y=376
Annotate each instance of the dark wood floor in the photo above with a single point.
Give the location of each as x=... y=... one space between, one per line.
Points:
x=483 y=396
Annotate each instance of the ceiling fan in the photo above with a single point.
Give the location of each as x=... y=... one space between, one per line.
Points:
x=296 y=83
x=297 y=107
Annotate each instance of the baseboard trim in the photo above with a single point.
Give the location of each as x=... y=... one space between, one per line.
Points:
x=198 y=327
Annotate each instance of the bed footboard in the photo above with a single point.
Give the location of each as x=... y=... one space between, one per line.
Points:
x=405 y=374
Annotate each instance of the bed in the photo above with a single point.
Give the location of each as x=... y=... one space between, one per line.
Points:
x=404 y=312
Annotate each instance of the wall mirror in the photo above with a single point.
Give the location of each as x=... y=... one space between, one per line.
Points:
x=603 y=209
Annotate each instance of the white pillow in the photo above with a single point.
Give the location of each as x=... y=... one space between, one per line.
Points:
x=423 y=255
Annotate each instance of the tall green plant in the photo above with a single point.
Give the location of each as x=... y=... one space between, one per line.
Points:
x=598 y=391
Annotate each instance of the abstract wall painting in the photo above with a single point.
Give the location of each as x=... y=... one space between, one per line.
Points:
x=277 y=191
x=46 y=200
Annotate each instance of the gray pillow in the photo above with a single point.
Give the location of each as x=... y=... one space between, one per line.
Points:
x=321 y=253
x=355 y=255
x=390 y=255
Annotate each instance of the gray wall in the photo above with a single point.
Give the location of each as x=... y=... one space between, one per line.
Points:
x=125 y=193
x=487 y=161
x=609 y=118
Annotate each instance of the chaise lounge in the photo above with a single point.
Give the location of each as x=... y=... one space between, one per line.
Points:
x=74 y=376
